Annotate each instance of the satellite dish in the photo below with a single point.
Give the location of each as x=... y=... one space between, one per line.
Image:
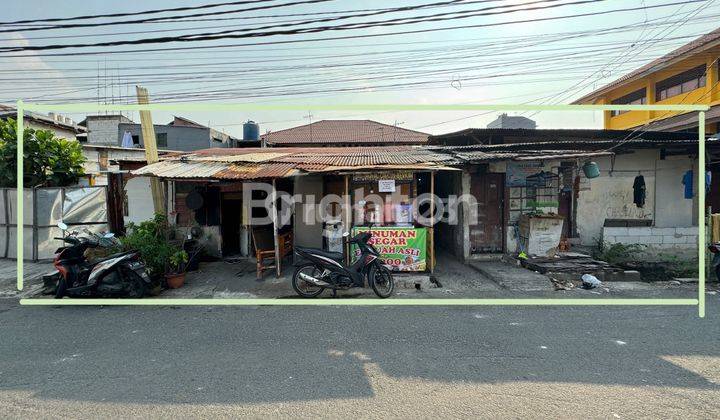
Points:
x=194 y=200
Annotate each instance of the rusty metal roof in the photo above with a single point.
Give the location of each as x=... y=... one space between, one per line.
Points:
x=248 y=164
x=256 y=163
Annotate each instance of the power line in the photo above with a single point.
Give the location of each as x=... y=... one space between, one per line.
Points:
x=360 y=25
x=418 y=31
x=144 y=12
x=147 y=20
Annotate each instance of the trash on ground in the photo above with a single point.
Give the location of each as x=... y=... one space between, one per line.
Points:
x=590 y=282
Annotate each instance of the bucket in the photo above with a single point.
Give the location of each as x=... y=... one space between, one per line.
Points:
x=591 y=170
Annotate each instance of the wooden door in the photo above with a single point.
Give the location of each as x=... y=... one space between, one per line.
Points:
x=565 y=210
x=486 y=232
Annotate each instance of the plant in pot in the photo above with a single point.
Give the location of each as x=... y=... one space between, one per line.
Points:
x=175 y=275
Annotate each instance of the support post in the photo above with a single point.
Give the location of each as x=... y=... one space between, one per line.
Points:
x=151 y=153
x=276 y=242
x=20 y=181
x=701 y=217
x=432 y=222
x=348 y=218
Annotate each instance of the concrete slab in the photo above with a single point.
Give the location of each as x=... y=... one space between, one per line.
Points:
x=32 y=277
x=512 y=277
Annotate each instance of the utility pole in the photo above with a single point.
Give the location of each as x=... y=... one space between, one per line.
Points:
x=151 y=152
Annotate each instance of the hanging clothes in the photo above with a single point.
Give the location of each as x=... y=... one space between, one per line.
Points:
x=639 y=191
x=127 y=140
x=708 y=181
x=687 y=180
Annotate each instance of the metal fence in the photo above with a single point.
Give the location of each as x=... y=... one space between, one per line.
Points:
x=43 y=208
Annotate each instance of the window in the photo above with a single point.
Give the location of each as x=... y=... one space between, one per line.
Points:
x=161 y=139
x=136 y=140
x=681 y=83
x=639 y=97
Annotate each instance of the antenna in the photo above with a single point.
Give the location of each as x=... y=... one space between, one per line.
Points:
x=309 y=117
x=395 y=130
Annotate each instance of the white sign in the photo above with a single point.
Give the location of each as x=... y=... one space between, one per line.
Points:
x=386 y=185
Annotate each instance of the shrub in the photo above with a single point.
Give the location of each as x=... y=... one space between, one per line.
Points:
x=48 y=161
x=617 y=253
x=150 y=239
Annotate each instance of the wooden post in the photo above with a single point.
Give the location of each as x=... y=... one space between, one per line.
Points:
x=151 y=153
x=432 y=221
x=275 y=230
x=348 y=218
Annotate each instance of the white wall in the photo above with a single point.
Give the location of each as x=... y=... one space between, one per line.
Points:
x=140 y=202
x=610 y=196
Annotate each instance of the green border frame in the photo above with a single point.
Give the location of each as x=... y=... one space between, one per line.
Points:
x=90 y=107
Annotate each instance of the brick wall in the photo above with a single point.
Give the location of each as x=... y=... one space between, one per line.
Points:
x=657 y=239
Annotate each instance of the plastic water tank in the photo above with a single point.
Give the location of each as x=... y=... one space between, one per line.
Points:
x=251 y=131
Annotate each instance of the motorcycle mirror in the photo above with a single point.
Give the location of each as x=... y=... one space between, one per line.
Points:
x=62 y=225
x=346 y=234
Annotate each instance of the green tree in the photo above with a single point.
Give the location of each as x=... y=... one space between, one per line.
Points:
x=48 y=161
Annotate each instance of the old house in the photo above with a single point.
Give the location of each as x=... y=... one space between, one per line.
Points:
x=350 y=133
x=645 y=192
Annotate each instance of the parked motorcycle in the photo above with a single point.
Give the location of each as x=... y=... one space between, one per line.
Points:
x=326 y=270
x=117 y=275
x=715 y=264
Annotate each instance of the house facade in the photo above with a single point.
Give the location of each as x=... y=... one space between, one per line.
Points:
x=687 y=75
x=180 y=134
x=638 y=197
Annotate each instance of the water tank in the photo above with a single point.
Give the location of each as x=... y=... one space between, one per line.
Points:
x=251 y=131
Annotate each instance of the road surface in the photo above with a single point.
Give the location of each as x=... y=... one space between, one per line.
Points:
x=369 y=362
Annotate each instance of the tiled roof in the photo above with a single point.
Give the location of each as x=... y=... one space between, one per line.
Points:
x=345 y=132
x=691 y=47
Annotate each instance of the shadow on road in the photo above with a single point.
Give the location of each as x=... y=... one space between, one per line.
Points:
x=267 y=354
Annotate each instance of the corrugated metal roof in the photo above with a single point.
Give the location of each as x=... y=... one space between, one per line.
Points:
x=222 y=165
x=181 y=169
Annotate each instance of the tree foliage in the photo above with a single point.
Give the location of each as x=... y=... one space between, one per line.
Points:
x=48 y=161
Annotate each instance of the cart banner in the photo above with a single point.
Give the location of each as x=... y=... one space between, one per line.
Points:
x=402 y=248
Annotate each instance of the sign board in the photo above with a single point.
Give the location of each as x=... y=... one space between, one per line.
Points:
x=516 y=173
x=402 y=248
x=386 y=185
x=378 y=175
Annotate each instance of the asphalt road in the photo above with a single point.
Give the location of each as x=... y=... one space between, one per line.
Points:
x=372 y=362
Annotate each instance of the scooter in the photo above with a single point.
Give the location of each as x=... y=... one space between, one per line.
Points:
x=322 y=270
x=118 y=275
x=715 y=264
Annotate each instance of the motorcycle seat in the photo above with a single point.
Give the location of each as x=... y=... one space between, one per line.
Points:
x=337 y=256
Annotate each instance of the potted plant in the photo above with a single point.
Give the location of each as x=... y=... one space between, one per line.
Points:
x=175 y=275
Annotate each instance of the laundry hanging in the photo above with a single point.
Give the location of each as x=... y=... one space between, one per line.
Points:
x=687 y=180
x=127 y=140
x=639 y=191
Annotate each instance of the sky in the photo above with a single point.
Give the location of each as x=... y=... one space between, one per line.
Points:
x=540 y=60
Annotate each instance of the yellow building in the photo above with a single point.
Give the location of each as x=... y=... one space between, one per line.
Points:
x=687 y=75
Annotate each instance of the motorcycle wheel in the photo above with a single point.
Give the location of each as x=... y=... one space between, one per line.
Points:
x=61 y=287
x=381 y=280
x=136 y=286
x=305 y=288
